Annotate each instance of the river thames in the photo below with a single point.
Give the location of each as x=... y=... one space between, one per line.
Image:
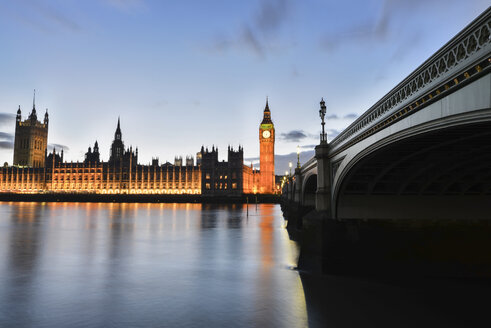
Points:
x=193 y=265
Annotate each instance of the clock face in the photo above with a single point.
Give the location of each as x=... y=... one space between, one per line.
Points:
x=266 y=134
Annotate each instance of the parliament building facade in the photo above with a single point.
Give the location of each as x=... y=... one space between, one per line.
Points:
x=34 y=170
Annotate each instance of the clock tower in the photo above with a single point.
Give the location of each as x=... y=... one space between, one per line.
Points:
x=266 y=153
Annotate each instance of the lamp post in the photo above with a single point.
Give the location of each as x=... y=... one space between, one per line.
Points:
x=322 y=114
x=298 y=157
x=290 y=165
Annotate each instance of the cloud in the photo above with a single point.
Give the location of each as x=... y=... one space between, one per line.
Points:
x=7 y=118
x=377 y=28
x=293 y=136
x=251 y=159
x=58 y=147
x=272 y=14
x=349 y=116
x=255 y=35
x=251 y=41
x=40 y=16
x=50 y=13
x=6 y=140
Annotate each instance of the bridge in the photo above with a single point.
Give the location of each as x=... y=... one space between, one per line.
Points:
x=423 y=151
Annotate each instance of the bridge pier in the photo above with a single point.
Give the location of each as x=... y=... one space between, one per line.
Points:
x=317 y=225
x=297 y=197
x=323 y=193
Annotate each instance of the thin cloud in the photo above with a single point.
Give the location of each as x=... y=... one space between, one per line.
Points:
x=377 y=29
x=272 y=14
x=255 y=35
x=6 y=140
x=251 y=41
x=6 y=118
x=251 y=159
x=349 y=116
x=293 y=136
x=58 y=147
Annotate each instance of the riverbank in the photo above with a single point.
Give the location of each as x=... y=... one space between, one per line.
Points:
x=139 y=198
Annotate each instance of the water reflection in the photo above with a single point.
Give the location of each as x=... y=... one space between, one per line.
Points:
x=23 y=242
x=146 y=265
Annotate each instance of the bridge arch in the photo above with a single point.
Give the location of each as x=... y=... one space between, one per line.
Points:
x=436 y=171
x=309 y=189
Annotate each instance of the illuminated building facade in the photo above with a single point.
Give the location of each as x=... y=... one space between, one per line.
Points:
x=121 y=174
x=233 y=177
x=222 y=178
x=266 y=153
x=31 y=139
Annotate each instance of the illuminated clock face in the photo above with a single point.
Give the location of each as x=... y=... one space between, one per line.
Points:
x=266 y=134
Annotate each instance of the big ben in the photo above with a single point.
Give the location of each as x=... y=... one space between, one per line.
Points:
x=266 y=153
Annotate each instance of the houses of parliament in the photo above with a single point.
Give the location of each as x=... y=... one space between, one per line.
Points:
x=35 y=170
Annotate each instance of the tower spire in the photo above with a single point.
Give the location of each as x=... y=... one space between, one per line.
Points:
x=117 y=134
x=34 y=100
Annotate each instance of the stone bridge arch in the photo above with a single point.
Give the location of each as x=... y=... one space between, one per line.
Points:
x=309 y=188
x=436 y=171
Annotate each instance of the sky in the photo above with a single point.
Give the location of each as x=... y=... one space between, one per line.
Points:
x=182 y=74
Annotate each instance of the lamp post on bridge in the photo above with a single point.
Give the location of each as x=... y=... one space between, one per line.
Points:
x=323 y=193
x=322 y=114
x=298 y=157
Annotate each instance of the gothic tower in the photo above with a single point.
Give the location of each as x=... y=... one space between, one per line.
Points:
x=117 y=147
x=31 y=138
x=266 y=153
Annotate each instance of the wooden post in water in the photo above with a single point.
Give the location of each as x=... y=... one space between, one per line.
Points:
x=256 y=203
x=247 y=205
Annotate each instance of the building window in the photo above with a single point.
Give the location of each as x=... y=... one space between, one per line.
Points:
x=207 y=186
x=234 y=185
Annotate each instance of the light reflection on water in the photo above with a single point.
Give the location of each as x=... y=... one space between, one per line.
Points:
x=176 y=265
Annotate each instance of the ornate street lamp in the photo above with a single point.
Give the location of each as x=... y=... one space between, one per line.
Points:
x=290 y=165
x=322 y=114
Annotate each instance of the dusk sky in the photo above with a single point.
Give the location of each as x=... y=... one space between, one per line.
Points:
x=181 y=74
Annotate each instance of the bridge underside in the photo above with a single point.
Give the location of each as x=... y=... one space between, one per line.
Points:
x=444 y=174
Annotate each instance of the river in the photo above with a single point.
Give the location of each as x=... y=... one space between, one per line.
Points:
x=193 y=265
